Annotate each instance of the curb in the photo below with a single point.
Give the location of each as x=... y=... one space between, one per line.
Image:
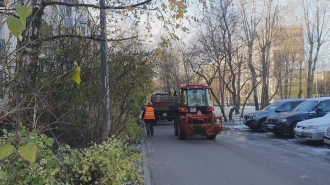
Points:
x=146 y=171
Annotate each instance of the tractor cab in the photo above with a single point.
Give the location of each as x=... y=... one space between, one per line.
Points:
x=195 y=98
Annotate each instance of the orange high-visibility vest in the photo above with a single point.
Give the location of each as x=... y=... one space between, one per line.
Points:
x=149 y=115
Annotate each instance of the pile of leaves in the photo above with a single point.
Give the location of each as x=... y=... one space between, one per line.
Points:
x=30 y=158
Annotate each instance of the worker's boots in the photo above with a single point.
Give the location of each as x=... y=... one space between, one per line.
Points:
x=150 y=134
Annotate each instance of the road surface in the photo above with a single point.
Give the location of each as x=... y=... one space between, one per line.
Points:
x=237 y=157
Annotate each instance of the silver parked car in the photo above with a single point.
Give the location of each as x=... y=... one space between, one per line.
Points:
x=312 y=129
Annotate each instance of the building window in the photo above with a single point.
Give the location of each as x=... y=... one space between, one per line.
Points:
x=66 y=11
x=2 y=4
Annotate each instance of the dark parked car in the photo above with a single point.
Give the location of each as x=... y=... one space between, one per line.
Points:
x=255 y=120
x=284 y=123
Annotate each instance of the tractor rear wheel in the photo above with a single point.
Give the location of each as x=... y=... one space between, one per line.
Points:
x=181 y=134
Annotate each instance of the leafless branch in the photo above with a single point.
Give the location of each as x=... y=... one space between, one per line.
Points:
x=86 y=37
x=48 y=3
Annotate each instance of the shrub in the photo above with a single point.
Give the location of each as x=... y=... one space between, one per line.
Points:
x=28 y=158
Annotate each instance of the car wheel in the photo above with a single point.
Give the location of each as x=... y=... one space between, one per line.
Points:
x=262 y=125
x=181 y=134
x=291 y=131
x=277 y=134
x=254 y=129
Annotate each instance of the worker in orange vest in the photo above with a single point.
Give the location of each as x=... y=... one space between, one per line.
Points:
x=149 y=118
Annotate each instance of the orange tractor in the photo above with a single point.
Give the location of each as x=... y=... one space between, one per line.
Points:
x=195 y=114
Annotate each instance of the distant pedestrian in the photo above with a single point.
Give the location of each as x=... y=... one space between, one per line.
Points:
x=149 y=119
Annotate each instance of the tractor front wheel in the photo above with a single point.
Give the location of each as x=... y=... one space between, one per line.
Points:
x=181 y=134
x=211 y=137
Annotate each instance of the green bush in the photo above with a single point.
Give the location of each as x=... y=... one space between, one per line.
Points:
x=133 y=132
x=110 y=162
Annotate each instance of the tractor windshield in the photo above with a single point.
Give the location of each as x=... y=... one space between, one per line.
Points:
x=197 y=97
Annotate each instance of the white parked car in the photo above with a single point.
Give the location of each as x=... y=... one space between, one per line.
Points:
x=312 y=129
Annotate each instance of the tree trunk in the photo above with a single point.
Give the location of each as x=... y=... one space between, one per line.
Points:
x=291 y=77
x=254 y=77
x=300 y=80
x=286 y=79
x=265 y=94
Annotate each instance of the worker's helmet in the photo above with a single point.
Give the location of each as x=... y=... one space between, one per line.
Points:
x=150 y=104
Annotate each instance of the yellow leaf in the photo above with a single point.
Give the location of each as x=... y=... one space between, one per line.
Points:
x=160 y=55
x=163 y=6
x=6 y=151
x=85 y=167
x=181 y=5
x=28 y=152
x=147 y=62
x=179 y=15
x=172 y=4
x=130 y=8
x=76 y=76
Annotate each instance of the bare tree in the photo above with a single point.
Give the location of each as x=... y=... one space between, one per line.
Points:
x=265 y=41
x=315 y=18
x=250 y=22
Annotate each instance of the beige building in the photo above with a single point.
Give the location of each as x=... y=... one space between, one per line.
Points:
x=287 y=62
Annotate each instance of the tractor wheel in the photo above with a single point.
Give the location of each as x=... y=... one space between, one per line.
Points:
x=181 y=134
x=175 y=127
x=211 y=137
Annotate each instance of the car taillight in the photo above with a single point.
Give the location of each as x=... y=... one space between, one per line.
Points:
x=183 y=109
x=210 y=109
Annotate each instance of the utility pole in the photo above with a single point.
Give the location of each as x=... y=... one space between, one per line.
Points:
x=105 y=73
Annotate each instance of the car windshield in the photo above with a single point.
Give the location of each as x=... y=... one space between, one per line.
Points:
x=306 y=106
x=272 y=106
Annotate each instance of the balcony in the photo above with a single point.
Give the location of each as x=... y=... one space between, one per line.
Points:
x=68 y=22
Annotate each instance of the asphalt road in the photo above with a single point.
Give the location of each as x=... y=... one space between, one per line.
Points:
x=237 y=157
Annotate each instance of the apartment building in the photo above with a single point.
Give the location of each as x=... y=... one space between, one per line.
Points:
x=76 y=20
x=71 y=17
x=8 y=45
x=287 y=69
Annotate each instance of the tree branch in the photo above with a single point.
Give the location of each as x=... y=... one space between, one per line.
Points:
x=96 y=6
x=86 y=37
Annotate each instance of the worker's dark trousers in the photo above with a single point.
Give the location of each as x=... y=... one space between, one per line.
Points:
x=150 y=127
